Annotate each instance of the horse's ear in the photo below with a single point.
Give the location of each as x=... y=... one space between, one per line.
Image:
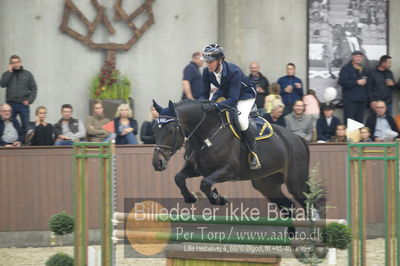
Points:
x=171 y=107
x=157 y=106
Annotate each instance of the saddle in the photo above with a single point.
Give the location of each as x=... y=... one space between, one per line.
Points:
x=261 y=127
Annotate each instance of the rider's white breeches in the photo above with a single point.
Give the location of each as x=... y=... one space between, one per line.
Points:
x=244 y=108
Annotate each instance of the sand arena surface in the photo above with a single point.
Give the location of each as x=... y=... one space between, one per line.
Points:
x=38 y=256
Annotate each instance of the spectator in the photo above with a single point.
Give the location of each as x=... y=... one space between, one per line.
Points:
x=125 y=126
x=11 y=134
x=326 y=125
x=273 y=98
x=21 y=89
x=311 y=105
x=291 y=88
x=381 y=124
x=261 y=83
x=41 y=133
x=275 y=117
x=192 y=82
x=353 y=80
x=94 y=125
x=381 y=83
x=340 y=134
x=68 y=129
x=298 y=122
x=146 y=130
x=365 y=134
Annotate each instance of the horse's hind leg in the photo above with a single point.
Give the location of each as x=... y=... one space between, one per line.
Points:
x=270 y=187
x=187 y=171
x=296 y=185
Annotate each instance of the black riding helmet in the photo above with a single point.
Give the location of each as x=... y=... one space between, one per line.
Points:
x=213 y=52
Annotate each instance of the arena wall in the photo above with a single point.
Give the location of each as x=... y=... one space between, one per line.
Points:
x=269 y=31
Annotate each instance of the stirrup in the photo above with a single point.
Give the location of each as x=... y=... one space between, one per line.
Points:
x=257 y=164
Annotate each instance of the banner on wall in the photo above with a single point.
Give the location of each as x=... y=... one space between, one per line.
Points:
x=335 y=29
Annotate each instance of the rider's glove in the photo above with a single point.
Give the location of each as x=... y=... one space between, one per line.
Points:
x=209 y=107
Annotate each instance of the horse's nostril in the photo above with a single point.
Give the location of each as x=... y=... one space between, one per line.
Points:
x=160 y=164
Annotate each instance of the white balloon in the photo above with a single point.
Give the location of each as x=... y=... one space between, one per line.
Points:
x=330 y=94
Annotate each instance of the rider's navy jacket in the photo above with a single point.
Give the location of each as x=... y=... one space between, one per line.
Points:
x=234 y=85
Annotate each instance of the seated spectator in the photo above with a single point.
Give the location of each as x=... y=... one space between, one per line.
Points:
x=40 y=133
x=326 y=125
x=94 y=125
x=125 y=126
x=275 y=117
x=340 y=134
x=274 y=98
x=68 y=129
x=298 y=122
x=146 y=131
x=311 y=105
x=11 y=133
x=381 y=124
x=365 y=134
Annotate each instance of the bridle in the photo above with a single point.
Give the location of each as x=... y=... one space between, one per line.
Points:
x=179 y=129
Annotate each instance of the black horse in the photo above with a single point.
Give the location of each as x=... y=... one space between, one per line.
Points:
x=212 y=151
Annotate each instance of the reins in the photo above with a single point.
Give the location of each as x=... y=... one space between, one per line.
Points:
x=186 y=139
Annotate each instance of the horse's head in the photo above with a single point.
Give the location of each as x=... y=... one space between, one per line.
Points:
x=169 y=136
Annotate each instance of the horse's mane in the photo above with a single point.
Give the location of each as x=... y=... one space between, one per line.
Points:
x=189 y=102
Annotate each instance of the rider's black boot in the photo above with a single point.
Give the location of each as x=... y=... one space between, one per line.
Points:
x=250 y=141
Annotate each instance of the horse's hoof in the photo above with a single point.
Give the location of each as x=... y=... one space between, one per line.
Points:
x=212 y=201
x=222 y=200
x=190 y=199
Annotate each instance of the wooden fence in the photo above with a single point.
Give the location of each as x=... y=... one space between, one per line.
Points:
x=36 y=182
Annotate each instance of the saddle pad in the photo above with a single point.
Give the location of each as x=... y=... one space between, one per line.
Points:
x=260 y=126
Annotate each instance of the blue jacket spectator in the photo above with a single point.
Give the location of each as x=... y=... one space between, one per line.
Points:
x=327 y=123
x=352 y=78
x=291 y=88
x=192 y=83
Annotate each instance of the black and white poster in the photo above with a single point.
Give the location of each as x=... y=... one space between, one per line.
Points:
x=337 y=28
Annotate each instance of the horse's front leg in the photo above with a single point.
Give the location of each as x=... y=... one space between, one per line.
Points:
x=187 y=171
x=212 y=194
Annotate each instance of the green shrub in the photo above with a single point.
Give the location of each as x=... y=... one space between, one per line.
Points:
x=61 y=223
x=336 y=235
x=110 y=84
x=60 y=259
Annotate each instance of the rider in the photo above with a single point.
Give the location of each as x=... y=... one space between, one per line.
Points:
x=238 y=90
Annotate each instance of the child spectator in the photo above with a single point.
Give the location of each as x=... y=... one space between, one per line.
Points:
x=340 y=134
x=326 y=125
x=365 y=134
x=274 y=98
x=41 y=133
x=126 y=127
x=146 y=131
